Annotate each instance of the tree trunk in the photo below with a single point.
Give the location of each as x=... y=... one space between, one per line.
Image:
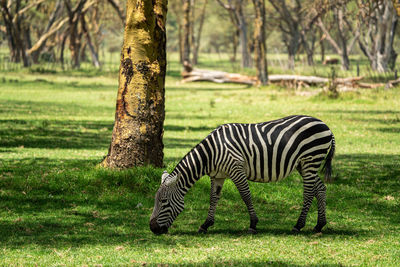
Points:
x=62 y=47
x=74 y=35
x=139 y=116
x=378 y=40
x=197 y=43
x=322 y=47
x=192 y=37
x=246 y=57
x=293 y=46
x=93 y=53
x=52 y=19
x=235 y=44
x=345 y=61
x=259 y=42
x=186 y=31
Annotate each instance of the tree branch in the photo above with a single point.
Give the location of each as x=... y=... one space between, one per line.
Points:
x=329 y=38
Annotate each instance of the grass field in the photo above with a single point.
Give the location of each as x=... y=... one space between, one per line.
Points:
x=57 y=208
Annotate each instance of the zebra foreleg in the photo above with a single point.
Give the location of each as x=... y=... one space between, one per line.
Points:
x=242 y=185
x=320 y=193
x=215 y=194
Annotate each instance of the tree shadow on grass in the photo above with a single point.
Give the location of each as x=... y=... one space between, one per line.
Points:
x=72 y=134
x=55 y=134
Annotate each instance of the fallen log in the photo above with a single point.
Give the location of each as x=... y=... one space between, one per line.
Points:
x=310 y=80
x=217 y=76
x=193 y=75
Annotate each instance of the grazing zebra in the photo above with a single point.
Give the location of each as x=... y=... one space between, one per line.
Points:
x=261 y=152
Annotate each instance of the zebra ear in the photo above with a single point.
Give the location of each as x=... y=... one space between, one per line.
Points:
x=164 y=176
x=172 y=180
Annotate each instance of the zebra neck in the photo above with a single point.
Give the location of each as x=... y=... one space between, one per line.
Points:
x=191 y=168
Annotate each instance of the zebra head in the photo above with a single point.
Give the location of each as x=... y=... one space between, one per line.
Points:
x=168 y=204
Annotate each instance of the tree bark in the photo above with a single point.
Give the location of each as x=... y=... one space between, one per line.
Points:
x=259 y=42
x=139 y=117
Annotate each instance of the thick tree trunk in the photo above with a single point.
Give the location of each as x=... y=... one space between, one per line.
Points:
x=259 y=42
x=139 y=116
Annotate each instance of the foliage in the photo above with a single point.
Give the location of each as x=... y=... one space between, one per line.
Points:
x=58 y=208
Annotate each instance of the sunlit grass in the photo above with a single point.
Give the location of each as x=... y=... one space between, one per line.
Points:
x=57 y=207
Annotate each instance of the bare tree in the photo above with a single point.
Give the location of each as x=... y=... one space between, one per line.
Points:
x=378 y=21
x=139 y=116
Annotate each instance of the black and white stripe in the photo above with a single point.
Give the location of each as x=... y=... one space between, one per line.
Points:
x=261 y=152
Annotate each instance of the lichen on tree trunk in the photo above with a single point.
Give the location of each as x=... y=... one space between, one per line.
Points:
x=139 y=117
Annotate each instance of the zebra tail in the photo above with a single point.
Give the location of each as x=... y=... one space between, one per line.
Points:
x=327 y=168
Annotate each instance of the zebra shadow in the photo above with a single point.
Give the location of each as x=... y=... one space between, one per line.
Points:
x=263 y=231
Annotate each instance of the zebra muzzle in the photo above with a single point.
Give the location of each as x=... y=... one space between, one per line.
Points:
x=156 y=228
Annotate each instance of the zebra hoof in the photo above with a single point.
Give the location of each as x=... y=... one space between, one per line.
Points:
x=295 y=230
x=202 y=230
x=252 y=231
x=317 y=229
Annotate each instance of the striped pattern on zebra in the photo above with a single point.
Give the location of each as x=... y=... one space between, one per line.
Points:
x=261 y=152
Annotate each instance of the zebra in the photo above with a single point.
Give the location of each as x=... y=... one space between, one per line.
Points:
x=262 y=152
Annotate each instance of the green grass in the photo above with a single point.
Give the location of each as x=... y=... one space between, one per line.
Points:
x=58 y=208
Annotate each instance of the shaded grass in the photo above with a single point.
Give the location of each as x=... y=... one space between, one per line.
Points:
x=57 y=207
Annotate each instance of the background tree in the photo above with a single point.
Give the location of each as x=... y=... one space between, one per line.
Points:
x=378 y=22
x=197 y=37
x=16 y=19
x=186 y=6
x=340 y=16
x=139 y=117
x=296 y=21
x=260 y=52
x=235 y=9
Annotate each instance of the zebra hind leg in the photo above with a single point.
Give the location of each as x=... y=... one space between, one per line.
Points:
x=308 y=196
x=215 y=194
x=240 y=180
x=320 y=194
